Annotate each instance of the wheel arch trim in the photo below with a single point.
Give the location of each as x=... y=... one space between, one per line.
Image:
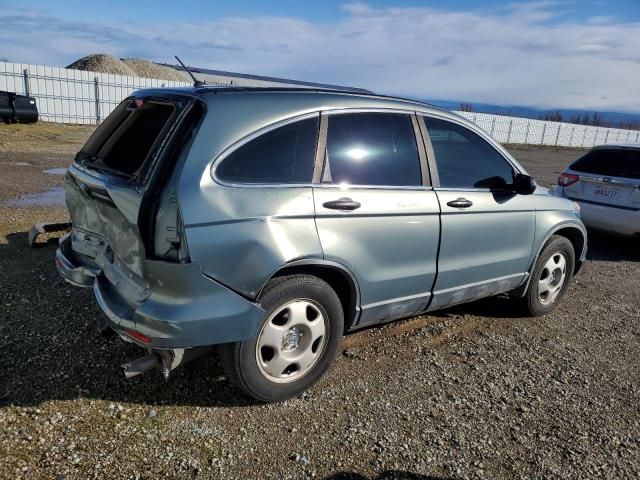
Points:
x=327 y=264
x=579 y=258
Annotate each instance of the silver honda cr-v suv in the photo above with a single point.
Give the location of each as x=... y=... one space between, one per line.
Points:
x=271 y=221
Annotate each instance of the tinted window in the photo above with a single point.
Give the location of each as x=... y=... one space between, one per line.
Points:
x=464 y=159
x=283 y=155
x=610 y=162
x=372 y=149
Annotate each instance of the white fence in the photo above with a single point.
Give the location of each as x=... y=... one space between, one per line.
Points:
x=75 y=96
x=541 y=132
x=72 y=96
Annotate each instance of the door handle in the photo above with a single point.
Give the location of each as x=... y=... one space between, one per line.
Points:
x=460 y=203
x=343 y=204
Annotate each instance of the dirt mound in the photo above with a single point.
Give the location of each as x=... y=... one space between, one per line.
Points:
x=133 y=67
x=147 y=69
x=102 y=63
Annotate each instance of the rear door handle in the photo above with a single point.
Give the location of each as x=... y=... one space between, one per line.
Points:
x=460 y=203
x=343 y=204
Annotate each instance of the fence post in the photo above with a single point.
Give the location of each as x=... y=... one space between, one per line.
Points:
x=526 y=133
x=618 y=136
x=628 y=135
x=27 y=89
x=558 y=135
x=493 y=125
x=595 y=137
x=509 y=133
x=474 y=119
x=571 y=135
x=584 y=136
x=606 y=137
x=544 y=131
x=96 y=86
x=637 y=137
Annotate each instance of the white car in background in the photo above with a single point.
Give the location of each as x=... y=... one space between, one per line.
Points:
x=606 y=184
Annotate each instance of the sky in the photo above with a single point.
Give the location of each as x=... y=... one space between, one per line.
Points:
x=582 y=54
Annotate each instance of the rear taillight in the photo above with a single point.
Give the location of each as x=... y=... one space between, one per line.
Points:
x=138 y=336
x=566 y=179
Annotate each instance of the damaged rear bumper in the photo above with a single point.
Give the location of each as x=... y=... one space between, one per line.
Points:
x=71 y=267
x=184 y=308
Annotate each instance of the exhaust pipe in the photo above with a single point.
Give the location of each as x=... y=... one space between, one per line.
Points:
x=167 y=360
x=140 y=365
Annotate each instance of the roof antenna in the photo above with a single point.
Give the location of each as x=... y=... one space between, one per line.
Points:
x=196 y=82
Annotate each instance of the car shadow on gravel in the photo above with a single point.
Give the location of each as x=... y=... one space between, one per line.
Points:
x=612 y=248
x=50 y=349
x=386 y=475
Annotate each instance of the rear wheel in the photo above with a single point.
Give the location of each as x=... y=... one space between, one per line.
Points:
x=297 y=340
x=551 y=277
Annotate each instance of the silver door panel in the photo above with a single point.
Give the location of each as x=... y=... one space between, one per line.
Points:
x=490 y=240
x=389 y=244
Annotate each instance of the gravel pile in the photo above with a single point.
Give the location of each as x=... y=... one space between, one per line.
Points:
x=134 y=67
x=102 y=63
x=147 y=69
x=473 y=392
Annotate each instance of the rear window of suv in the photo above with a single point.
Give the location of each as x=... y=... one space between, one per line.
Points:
x=284 y=155
x=123 y=142
x=611 y=162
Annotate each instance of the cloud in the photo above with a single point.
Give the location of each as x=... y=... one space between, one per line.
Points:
x=524 y=54
x=601 y=20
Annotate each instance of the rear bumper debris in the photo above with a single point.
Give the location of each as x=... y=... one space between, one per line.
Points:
x=42 y=228
x=71 y=268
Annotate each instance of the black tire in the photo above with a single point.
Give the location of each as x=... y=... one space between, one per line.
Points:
x=531 y=302
x=240 y=361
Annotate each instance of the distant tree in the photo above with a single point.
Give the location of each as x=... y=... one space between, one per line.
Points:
x=597 y=120
x=552 y=116
x=3 y=59
x=466 y=107
x=575 y=118
x=629 y=125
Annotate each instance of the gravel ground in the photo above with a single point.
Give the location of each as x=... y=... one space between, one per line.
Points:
x=472 y=392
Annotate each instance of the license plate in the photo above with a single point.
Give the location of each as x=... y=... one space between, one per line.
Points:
x=605 y=193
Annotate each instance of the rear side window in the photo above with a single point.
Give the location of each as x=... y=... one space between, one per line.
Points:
x=464 y=159
x=614 y=162
x=283 y=155
x=372 y=149
x=127 y=137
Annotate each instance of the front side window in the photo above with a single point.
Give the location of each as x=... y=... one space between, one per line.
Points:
x=283 y=155
x=466 y=160
x=371 y=149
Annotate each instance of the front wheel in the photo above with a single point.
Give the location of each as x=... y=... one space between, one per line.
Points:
x=550 y=277
x=296 y=343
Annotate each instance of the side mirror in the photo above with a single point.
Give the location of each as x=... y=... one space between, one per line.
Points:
x=524 y=184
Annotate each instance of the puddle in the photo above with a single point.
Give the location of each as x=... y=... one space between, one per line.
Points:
x=21 y=164
x=53 y=197
x=55 y=171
